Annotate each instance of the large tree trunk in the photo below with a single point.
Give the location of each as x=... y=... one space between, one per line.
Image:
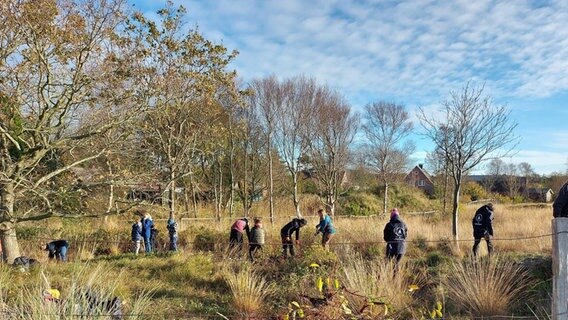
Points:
x=9 y=240
x=8 y=237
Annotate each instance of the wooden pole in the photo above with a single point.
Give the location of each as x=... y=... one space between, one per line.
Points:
x=560 y=268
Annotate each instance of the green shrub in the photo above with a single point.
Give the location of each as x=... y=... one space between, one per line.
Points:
x=208 y=240
x=361 y=204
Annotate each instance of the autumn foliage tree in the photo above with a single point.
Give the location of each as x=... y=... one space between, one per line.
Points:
x=56 y=59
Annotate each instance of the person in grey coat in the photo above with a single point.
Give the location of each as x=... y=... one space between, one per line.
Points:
x=257 y=237
x=395 y=233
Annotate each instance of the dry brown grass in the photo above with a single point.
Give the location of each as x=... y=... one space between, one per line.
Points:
x=512 y=226
x=249 y=290
x=376 y=281
x=487 y=287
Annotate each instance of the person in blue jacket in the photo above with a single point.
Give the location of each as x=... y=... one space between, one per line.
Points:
x=58 y=250
x=325 y=226
x=136 y=235
x=147 y=226
x=173 y=233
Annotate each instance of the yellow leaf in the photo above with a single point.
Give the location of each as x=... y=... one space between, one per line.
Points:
x=439 y=313
x=300 y=313
x=336 y=283
x=433 y=314
x=386 y=309
x=319 y=284
x=314 y=265
x=413 y=287
x=438 y=305
x=295 y=304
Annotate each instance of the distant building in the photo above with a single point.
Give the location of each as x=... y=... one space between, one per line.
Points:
x=419 y=178
x=540 y=194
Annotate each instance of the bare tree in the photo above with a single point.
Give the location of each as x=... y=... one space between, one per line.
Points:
x=439 y=166
x=495 y=170
x=334 y=130
x=267 y=100
x=293 y=128
x=58 y=62
x=386 y=127
x=469 y=129
x=511 y=179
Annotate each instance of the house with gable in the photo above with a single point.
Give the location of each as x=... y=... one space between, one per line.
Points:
x=419 y=178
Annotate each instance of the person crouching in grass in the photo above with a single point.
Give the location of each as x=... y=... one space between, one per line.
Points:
x=256 y=238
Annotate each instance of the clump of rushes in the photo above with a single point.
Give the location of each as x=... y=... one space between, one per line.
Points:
x=249 y=291
x=487 y=287
x=377 y=286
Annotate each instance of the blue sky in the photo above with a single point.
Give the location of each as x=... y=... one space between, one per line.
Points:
x=410 y=52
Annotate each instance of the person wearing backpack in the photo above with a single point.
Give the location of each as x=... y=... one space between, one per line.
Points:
x=147 y=226
x=325 y=226
x=395 y=233
x=483 y=227
x=136 y=236
x=173 y=233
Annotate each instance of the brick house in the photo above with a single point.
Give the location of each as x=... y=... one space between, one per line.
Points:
x=419 y=178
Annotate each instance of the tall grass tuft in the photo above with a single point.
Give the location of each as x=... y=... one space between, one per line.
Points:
x=377 y=281
x=89 y=294
x=249 y=290
x=489 y=287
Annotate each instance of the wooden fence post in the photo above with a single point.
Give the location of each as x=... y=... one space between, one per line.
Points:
x=560 y=268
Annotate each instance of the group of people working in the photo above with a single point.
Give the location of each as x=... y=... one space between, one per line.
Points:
x=256 y=236
x=395 y=233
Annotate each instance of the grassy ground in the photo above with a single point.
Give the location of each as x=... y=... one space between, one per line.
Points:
x=204 y=281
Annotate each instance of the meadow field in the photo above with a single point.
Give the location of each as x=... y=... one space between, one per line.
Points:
x=438 y=278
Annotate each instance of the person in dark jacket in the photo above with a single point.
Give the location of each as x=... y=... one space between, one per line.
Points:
x=136 y=235
x=560 y=205
x=325 y=226
x=256 y=238
x=286 y=234
x=58 y=250
x=238 y=228
x=172 y=232
x=483 y=227
x=395 y=233
x=147 y=226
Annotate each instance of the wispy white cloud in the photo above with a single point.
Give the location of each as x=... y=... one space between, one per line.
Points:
x=398 y=48
x=410 y=52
